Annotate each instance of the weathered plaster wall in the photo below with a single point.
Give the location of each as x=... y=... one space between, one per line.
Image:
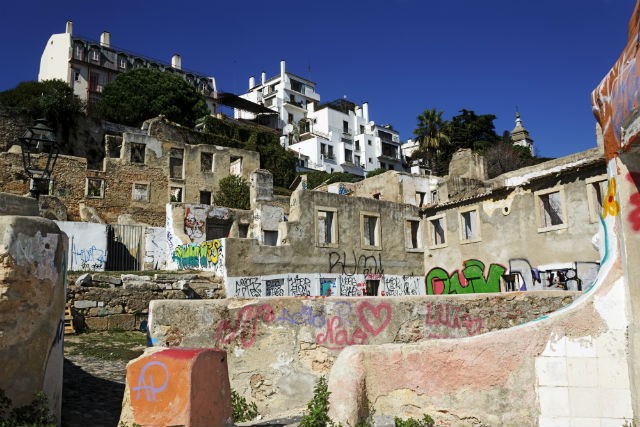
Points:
x=32 y=298
x=509 y=238
x=396 y=187
x=87 y=245
x=278 y=347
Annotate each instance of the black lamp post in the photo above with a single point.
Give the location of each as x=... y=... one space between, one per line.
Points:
x=39 y=154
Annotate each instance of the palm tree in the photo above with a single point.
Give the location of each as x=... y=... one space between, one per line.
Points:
x=430 y=135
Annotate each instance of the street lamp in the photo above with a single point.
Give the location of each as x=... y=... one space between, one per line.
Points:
x=39 y=154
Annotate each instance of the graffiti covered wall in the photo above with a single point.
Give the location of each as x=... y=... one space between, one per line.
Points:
x=87 y=245
x=279 y=346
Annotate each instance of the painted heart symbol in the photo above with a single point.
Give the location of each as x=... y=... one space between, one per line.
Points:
x=365 y=307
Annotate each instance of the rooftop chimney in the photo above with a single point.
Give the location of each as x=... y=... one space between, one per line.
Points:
x=365 y=111
x=263 y=77
x=69 y=28
x=282 y=68
x=176 y=62
x=105 y=39
x=252 y=82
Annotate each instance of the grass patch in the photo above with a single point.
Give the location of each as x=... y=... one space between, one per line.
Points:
x=107 y=345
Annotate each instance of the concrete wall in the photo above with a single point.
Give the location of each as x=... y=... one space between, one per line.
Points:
x=32 y=285
x=278 y=347
x=87 y=245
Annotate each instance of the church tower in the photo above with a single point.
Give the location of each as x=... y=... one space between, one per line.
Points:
x=520 y=136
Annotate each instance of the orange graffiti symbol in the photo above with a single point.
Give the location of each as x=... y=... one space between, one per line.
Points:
x=610 y=205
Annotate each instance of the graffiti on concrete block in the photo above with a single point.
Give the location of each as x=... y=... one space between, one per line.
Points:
x=340 y=333
x=206 y=255
x=248 y=287
x=245 y=326
x=299 y=286
x=363 y=264
x=274 y=287
x=328 y=287
x=150 y=385
x=472 y=278
x=351 y=287
x=401 y=285
x=38 y=250
x=575 y=276
x=90 y=258
x=449 y=322
x=195 y=220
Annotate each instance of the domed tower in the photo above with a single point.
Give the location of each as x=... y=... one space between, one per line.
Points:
x=520 y=136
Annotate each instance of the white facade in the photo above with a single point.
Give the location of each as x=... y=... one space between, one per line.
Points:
x=333 y=137
x=87 y=66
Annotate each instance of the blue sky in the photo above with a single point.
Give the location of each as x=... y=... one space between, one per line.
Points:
x=402 y=56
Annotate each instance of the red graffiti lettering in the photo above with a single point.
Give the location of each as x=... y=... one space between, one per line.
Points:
x=245 y=325
x=337 y=337
x=449 y=316
x=634 y=202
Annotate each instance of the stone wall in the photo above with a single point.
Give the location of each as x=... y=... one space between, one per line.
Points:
x=278 y=347
x=102 y=301
x=32 y=282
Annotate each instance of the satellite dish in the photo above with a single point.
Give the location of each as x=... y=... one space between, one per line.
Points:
x=288 y=129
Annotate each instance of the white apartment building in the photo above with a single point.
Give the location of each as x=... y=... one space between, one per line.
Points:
x=335 y=137
x=87 y=66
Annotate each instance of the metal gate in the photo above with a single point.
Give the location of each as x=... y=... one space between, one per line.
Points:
x=124 y=247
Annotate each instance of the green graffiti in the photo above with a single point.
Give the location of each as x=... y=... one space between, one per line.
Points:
x=470 y=279
x=207 y=254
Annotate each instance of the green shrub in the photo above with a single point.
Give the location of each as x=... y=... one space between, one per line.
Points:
x=233 y=193
x=35 y=414
x=242 y=411
x=426 y=421
x=375 y=172
x=316 y=414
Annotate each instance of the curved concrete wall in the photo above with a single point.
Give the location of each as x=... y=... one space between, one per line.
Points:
x=278 y=347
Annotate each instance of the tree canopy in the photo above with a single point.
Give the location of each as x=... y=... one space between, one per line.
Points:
x=233 y=193
x=143 y=93
x=49 y=99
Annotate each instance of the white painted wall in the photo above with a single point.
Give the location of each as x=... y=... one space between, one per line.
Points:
x=87 y=245
x=155 y=248
x=54 y=62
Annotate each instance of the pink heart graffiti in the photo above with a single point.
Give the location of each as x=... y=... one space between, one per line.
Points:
x=376 y=312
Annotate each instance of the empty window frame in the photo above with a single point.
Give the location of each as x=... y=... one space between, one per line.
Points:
x=370 y=230
x=206 y=162
x=235 y=166
x=596 y=192
x=420 y=196
x=205 y=197
x=550 y=209
x=412 y=237
x=137 y=152
x=140 y=192
x=176 y=194
x=270 y=237
x=95 y=188
x=327 y=227
x=122 y=63
x=345 y=126
x=437 y=234
x=176 y=163
x=469 y=224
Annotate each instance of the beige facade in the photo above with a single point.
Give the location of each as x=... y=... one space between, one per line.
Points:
x=530 y=225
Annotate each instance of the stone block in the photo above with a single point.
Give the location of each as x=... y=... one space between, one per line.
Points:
x=179 y=387
x=97 y=323
x=106 y=278
x=85 y=304
x=11 y=204
x=122 y=321
x=84 y=280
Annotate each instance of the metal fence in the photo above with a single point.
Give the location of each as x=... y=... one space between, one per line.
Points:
x=124 y=247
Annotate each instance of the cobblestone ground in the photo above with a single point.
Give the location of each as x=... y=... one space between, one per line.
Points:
x=92 y=391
